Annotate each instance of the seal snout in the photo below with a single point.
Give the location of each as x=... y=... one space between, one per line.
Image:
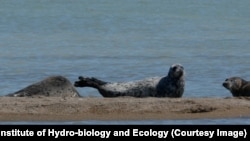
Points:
x=226 y=84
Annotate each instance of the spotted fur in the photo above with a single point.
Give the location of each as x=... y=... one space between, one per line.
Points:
x=171 y=85
x=52 y=86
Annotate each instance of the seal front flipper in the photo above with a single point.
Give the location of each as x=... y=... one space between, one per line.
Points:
x=89 y=82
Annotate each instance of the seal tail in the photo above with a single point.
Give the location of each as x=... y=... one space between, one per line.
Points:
x=89 y=82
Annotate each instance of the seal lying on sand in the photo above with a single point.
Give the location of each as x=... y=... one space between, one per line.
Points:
x=52 y=86
x=171 y=85
x=237 y=86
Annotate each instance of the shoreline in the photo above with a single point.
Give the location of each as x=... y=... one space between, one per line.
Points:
x=122 y=108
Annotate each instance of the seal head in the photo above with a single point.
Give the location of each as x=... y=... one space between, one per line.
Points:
x=173 y=84
x=237 y=86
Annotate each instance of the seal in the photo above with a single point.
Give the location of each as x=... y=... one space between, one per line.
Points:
x=171 y=85
x=237 y=86
x=53 y=86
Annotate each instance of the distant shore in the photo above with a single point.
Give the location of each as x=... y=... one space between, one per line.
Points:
x=123 y=108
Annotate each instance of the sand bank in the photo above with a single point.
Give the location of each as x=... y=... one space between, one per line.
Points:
x=123 y=108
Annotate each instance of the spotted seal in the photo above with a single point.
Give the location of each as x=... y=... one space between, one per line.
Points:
x=171 y=85
x=54 y=86
x=237 y=86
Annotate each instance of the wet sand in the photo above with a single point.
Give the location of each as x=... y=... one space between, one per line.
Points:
x=123 y=108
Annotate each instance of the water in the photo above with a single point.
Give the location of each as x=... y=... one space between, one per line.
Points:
x=123 y=41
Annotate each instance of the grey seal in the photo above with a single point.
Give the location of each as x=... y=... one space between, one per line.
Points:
x=171 y=85
x=53 y=86
x=237 y=86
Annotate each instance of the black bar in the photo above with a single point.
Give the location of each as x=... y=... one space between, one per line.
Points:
x=154 y=132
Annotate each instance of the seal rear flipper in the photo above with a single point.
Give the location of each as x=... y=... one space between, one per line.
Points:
x=89 y=82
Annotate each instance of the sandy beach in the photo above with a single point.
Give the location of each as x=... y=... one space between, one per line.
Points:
x=123 y=108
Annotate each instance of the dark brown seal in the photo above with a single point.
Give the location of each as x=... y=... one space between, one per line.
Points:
x=171 y=85
x=237 y=86
x=54 y=86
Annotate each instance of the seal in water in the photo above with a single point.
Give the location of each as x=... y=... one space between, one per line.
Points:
x=237 y=86
x=171 y=85
x=54 y=86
